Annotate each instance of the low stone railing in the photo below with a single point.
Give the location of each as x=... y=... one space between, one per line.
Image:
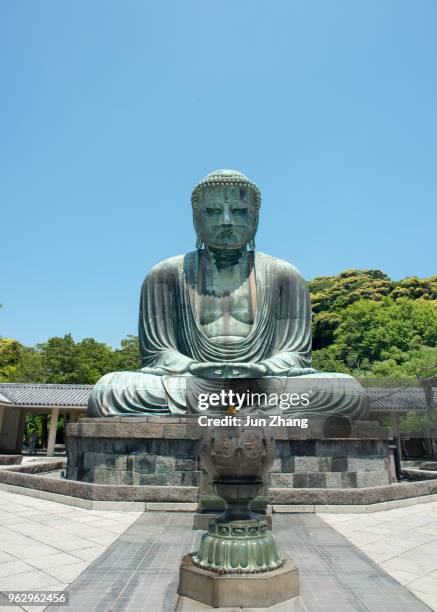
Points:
x=29 y=477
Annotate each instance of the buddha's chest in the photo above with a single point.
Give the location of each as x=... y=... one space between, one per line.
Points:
x=226 y=307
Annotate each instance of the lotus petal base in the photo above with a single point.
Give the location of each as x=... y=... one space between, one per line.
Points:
x=238 y=547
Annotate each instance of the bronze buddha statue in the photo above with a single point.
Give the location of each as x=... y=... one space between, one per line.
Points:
x=223 y=311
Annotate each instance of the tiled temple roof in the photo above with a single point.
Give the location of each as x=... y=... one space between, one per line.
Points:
x=392 y=399
x=29 y=394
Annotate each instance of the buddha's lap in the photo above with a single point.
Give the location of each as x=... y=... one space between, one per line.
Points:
x=150 y=382
x=140 y=392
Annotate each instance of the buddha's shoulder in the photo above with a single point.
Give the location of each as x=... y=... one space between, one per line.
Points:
x=169 y=263
x=170 y=266
x=279 y=267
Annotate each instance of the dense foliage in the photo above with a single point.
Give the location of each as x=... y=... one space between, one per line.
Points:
x=62 y=360
x=370 y=326
x=366 y=324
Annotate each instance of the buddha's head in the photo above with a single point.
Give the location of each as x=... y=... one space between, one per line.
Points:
x=225 y=210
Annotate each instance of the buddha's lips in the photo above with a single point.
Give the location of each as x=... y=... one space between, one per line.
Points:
x=226 y=234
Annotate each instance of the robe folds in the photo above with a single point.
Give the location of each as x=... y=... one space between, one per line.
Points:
x=171 y=338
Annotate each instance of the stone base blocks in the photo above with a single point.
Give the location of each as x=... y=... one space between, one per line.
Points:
x=164 y=451
x=134 y=451
x=331 y=464
x=260 y=590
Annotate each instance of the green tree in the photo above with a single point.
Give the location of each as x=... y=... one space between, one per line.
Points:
x=93 y=359
x=370 y=330
x=62 y=360
x=395 y=363
x=336 y=292
x=127 y=357
x=10 y=354
x=30 y=368
x=330 y=295
x=415 y=288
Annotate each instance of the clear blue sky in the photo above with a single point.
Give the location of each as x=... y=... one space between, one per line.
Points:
x=111 y=112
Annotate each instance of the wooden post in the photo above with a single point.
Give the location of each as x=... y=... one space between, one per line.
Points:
x=52 y=432
x=2 y=412
x=394 y=418
x=20 y=432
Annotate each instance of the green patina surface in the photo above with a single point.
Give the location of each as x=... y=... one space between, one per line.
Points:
x=223 y=311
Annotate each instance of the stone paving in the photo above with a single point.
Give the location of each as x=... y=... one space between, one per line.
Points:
x=45 y=545
x=139 y=571
x=402 y=541
x=129 y=561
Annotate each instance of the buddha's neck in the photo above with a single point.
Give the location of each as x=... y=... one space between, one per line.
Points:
x=226 y=258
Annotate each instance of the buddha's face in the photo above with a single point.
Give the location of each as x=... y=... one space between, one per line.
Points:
x=227 y=217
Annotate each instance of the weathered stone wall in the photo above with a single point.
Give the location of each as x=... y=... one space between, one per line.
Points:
x=165 y=451
x=140 y=463
x=331 y=464
x=28 y=479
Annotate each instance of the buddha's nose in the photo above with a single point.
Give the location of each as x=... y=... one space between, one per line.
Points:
x=226 y=216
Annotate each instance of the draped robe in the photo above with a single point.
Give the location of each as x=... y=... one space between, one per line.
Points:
x=171 y=338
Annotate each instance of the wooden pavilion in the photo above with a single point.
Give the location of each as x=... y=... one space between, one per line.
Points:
x=18 y=399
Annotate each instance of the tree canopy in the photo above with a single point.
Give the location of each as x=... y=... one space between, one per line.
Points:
x=62 y=360
x=365 y=323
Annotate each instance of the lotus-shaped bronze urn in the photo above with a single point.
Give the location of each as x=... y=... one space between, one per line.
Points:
x=238 y=541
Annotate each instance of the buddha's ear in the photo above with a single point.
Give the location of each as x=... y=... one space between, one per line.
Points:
x=251 y=244
x=199 y=240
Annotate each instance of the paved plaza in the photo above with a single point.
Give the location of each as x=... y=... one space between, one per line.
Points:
x=129 y=561
x=45 y=545
x=402 y=541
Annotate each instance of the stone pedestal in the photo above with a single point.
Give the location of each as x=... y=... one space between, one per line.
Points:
x=333 y=463
x=165 y=451
x=260 y=590
x=134 y=451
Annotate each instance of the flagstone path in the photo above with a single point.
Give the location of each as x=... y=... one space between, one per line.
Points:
x=129 y=561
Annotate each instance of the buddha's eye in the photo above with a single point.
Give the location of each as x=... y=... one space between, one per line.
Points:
x=212 y=211
x=240 y=211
